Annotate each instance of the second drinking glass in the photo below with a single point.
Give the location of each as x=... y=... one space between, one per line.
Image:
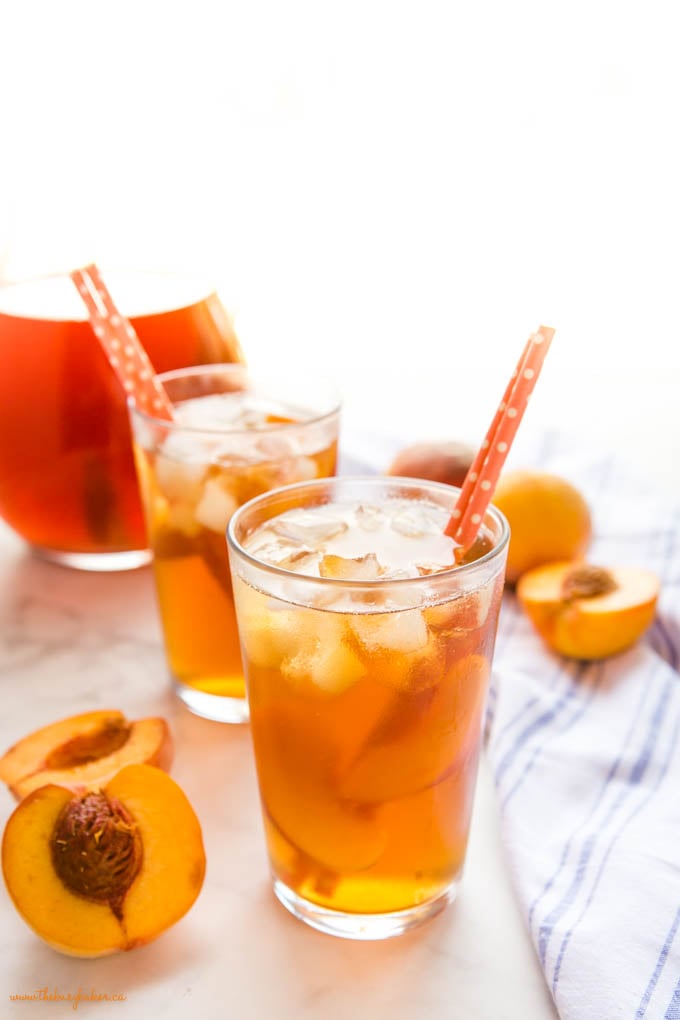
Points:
x=232 y=438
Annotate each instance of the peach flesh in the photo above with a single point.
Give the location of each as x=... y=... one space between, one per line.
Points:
x=84 y=751
x=587 y=612
x=138 y=881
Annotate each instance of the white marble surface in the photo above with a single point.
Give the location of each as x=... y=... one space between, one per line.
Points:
x=70 y=642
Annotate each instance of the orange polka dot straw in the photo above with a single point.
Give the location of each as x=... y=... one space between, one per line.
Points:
x=122 y=346
x=481 y=480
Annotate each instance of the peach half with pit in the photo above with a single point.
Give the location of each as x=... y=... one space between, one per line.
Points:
x=589 y=612
x=102 y=871
x=84 y=750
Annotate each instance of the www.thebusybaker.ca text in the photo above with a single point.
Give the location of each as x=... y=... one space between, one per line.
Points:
x=75 y=998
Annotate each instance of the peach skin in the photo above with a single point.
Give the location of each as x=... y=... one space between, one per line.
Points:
x=84 y=751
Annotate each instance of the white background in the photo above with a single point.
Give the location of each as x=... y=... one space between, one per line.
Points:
x=398 y=191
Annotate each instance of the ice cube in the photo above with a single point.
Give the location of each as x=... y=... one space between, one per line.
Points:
x=364 y=568
x=309 y=526
x=301 y=469
x=182 y=517
x=466 y=612
x=369 y=518
x=267 y=546
x=329 y=664
x=272 y=474
x=443 y=616
x=275 y=446
x=398 y=596
x=261 y=539
x=270 y=633
x=213 y=411
x=180 y=479
x=414 y=521
x=236 y=451
x=409 y=656
x=302 y=561
x=215 y=506
x=400 y=574
x=297 y=557
x=401 y=631
x=425 y=569
x=483 y=599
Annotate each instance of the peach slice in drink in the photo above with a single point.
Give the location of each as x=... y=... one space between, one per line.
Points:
x=438 y=817
x=440 y=728
x=294 y=762
x=357 y=714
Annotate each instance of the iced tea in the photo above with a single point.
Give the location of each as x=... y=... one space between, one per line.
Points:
x=367 y=653
x=231 y=440
x=67 y=477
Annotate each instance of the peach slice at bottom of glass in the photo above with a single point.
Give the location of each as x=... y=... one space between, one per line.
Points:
x=294 y=757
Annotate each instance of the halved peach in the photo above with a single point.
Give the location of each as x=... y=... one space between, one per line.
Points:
x=85 y=751
x=589 y=612
x=102 y=871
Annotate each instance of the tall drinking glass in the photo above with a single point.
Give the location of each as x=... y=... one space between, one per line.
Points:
x=367 y=653
x=232 y=438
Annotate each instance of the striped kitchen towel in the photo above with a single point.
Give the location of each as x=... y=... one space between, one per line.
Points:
x=586 y=758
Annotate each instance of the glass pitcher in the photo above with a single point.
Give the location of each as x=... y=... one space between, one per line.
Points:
x=67 y=477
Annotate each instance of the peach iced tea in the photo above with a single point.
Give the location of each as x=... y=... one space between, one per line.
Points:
x=367 y=653
x=230 y=441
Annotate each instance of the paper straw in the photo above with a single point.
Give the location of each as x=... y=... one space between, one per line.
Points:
x=122 y=346
x=482 y=478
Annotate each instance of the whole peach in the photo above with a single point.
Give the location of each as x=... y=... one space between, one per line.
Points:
x=446 y=462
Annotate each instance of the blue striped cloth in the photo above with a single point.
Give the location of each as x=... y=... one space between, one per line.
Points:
x=586 y=759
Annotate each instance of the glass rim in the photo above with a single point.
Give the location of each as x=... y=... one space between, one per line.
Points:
x=232 y=367
x=457 y=570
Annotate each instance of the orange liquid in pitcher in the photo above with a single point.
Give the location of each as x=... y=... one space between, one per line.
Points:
x=67 y=476
x=367 y=728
